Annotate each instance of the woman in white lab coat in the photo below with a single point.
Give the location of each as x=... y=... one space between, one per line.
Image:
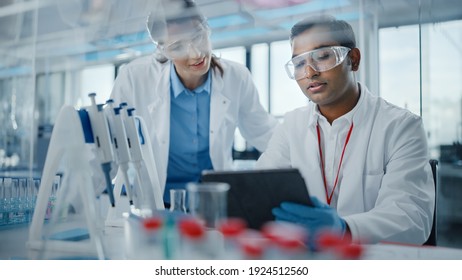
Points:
x=191 y=101
x=364 y=160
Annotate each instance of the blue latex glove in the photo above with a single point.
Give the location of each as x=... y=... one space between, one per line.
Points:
x=314 y=218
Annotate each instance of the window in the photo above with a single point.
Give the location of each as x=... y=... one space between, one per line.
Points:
x=441 y=69
x=285 y=93
x=399 y=66
x=98 y=79
x=236 y=54
x=259 y=66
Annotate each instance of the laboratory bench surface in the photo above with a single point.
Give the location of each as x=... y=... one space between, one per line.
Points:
x=13 y=247
x=14 y=239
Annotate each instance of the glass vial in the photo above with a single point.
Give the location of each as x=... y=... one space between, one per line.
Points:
x=178 y=200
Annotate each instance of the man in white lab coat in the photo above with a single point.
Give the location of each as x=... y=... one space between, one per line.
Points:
x=364 y=160
x=191 y=101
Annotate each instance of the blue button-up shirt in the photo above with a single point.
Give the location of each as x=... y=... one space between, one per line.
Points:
x=189 y=133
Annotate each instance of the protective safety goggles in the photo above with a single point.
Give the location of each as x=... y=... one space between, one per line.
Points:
x=320 y=60
x=199 y=40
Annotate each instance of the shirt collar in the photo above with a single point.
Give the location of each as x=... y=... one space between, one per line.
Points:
x=348 y=117
x=178 y=87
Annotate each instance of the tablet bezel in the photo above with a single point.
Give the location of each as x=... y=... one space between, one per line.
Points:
x=254 y=193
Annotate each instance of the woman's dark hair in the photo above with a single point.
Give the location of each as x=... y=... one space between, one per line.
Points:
x=340 y=29
x=176 y=12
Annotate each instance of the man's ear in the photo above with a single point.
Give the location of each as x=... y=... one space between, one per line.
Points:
x=354 y=59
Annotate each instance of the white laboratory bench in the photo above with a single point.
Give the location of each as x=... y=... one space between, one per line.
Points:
x=13 y=246
x=13 y=240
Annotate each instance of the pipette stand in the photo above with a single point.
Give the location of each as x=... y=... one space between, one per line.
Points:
x=148 y=184
x=67 y=145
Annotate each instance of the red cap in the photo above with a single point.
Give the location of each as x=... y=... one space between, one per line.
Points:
x=152 y=224
x=191 y=228
x=232 y=227
x=328 y=239
x=252 y=250
x=285 y=235
x=252 y=243
x=290 y=244
x=350 y=251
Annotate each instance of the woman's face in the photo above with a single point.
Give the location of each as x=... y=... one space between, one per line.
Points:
x=188 y=46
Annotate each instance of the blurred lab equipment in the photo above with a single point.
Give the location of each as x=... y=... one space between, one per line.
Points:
x=103 y=142
x=120 y=144
x=81 y=139
x=141 y=170
x=232 y=229
x=208 y=201
x=143 y=237
x=287 y=240
x=175 y=235
x=17 y=200
x=195 y=242
x=178 y=200
x=67 y=148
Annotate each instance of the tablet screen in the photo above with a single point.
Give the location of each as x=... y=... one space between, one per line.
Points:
x=254 y=193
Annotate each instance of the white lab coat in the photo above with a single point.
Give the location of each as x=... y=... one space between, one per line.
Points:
x=386 y=191
x=145 y=85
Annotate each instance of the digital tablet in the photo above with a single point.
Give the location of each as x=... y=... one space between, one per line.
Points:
x=254 y=193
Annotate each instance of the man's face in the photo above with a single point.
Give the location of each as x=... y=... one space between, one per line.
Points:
x=328 y=88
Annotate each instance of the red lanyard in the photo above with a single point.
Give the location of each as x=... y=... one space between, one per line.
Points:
x=329 y=197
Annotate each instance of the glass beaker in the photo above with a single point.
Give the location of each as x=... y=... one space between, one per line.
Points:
x=178 y=200
x=208 y=202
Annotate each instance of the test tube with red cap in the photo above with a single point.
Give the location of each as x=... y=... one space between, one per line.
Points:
x=252 y=245
x=332 y=245
x=231 y=229
x=152 y=237
x=287 y=241
x=193 y=239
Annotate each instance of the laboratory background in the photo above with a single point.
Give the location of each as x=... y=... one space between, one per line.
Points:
x=53 y=53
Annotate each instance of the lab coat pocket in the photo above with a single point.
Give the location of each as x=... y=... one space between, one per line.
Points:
x=372 y=184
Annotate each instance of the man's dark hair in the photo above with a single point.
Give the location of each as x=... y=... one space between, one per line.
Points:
x=341 y=30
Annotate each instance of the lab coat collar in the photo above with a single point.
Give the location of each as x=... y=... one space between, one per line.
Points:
x=315 y=114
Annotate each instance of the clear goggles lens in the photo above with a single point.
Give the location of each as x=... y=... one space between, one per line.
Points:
x=320 y=60
x=198 y=40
